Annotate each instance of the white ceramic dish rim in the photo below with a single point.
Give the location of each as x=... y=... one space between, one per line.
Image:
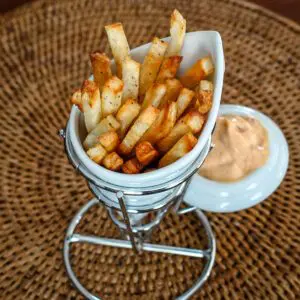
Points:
x=149 y=178
x=249 y=191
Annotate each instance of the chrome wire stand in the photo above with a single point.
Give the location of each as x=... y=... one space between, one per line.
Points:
x=136 y=235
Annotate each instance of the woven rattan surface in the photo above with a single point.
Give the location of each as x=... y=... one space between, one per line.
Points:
x=44 y=56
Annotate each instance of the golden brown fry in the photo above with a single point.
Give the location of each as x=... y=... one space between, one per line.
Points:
x=194 y=104
x=193 y=121
x=174 y=87
x=184 y=99
x=132 y=166
x=96 y=153
x=178 y=131
x=77 y=99
x=109 y=140
x=126 y=114
x=198 y=71
x=131 y=75
x=168 y=68
x=204 y=95
x=177 y=32
x=111 y=96
x=162 y=125
x=90 y=90
x=204 y=99
x=101 y=68
x=107 y=124
x=137 y=130
x=113 y=161
x=182 y=147
x=118 y=44
x=206 y=85
x=151 y=64
x=154 y=95
x=91 y=104
x=145 y=153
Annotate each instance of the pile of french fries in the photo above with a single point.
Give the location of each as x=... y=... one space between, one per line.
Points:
x=143 y=117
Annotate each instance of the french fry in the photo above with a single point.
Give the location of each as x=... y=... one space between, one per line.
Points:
x=109 y=140
x=198 y=71
x=130 y=75
x=184 y=99
x=113 y=161
x=206 y=85
x=178 y=131
x=174 y=87
x=145 y=153
x=168 y=68
x=118 y=44
x=162 y=125
x=194 y=103
x=151 y=64
x=154 y=95
x=126 y=114
x=182 y=147
x=204 y=94
x=107 y=124
x=101 y=68
x=137 y=130
x=111 y=96
x=193 y=121
x=177 y=32
x=77 y=99
x=96 y=153
x=91 y=104
x=132 y=166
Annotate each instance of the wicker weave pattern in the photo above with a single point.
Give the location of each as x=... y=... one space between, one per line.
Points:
x=44 y=56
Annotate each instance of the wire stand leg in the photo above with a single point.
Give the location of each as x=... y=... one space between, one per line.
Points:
x=126 y=219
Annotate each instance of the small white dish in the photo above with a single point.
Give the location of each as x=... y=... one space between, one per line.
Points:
x=231 y=197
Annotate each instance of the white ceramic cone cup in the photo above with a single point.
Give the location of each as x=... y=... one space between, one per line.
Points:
x=196 y=45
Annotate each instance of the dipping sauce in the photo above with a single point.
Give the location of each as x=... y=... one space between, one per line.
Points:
x=241 y=146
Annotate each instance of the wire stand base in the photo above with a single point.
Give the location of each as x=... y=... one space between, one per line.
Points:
x=207 y=254
x=169 y=193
